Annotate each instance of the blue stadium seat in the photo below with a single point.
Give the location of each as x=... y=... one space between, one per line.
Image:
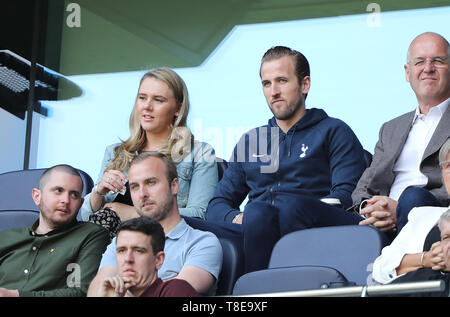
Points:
x=286 y=279
x=16 y=187
x=17 y=218
x=221 y=166
x=349 y=249
x=233 y=259
x=314 y=258
x=232 y=267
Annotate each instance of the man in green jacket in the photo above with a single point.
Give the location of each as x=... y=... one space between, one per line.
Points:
x=57 y=255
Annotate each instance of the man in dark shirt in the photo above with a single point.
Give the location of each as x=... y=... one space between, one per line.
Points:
x=140 y=254
x=298 y=171
x=56 y=256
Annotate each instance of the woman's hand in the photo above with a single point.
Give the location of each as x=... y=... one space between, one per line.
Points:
x=112 y=181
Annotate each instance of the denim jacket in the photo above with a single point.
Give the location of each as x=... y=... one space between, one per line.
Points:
x=197 y=179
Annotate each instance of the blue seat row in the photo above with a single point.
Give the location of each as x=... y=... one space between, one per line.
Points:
x=317 y=258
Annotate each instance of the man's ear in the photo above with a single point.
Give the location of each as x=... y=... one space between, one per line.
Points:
x=174 y=186
x=160 y=256
x=36 y=195
x=407 y=72
x=306 y=84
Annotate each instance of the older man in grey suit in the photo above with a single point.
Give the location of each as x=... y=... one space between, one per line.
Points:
x=405 y=169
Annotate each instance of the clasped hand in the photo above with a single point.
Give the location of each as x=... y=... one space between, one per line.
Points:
x=380 y=212
x=435 y=257
x=116 y=286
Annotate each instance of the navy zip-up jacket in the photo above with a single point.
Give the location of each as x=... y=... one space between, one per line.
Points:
x=319 y=156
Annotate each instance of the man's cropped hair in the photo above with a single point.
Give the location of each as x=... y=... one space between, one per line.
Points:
x=60 y=167
x=149 y=227
x=171 y=169
x=301 y=64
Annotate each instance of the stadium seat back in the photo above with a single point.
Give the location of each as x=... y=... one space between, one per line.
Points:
x=349 y=249
x=16 y=187
x=285 y=279
x=17 y=218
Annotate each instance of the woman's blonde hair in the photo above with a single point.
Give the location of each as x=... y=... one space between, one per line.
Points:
x=180 y=140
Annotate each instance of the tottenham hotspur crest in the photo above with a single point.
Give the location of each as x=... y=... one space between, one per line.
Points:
x=304 y=149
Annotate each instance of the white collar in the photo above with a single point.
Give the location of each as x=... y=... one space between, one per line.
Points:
x=442 y=107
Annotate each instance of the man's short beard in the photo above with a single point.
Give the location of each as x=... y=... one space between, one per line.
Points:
x=289 y=112
x=46 y=213
x=161 y=211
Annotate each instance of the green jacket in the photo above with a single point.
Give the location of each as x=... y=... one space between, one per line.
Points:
x=60 y=263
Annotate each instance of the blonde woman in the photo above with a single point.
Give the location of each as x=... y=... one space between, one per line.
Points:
x=157 y=123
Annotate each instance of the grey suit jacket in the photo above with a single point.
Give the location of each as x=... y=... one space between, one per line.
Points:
x=379 y=177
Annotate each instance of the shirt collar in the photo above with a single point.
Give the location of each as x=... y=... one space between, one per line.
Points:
x=32 y=229
x=178 y=231
x=442 y=107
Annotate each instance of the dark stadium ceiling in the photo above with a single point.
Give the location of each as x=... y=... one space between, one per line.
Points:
x=118 y=35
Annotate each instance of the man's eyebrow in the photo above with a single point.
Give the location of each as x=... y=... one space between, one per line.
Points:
x=137 y=247
x=131 y=183
x=146 y=179
x=57 y=187
x=422 y=58
x=133 y=247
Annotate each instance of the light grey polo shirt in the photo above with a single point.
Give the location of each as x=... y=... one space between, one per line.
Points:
x=184 y=246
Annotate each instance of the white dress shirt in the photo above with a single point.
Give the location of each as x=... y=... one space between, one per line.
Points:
x=409 y=241
x=407 y=167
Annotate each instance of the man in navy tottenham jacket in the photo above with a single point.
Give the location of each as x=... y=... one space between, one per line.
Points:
x=287 y=166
